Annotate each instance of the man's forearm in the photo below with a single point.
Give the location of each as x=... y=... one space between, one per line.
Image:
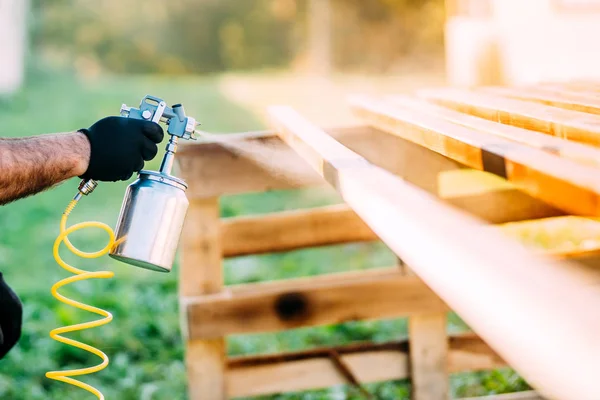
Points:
x=31 y=165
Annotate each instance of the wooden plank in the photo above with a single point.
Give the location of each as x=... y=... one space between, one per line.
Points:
x=231 y=166
x=321 y=300
x=567 y=100
x=293 y=230
x=484 y=272
x=562 y=183
x=428 y=344
x=428 y=356
x=260 y=161
x=502 y=206
x=567 y=124
x=428 y=341
x=255 y=162
x=370 y=362
x=575 y=151
x=201 y=274
x=339 y=224
x=528 y=395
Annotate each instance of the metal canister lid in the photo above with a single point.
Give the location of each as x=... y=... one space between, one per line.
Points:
x=163 y=178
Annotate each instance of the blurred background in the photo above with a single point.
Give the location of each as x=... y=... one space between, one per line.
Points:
x=67 y=63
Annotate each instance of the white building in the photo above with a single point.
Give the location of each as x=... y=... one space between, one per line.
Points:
x=13 y=39
x=522 y=41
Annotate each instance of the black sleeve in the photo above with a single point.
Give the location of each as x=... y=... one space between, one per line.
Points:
x=11 y=318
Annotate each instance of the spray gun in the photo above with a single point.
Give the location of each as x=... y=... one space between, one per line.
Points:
x=155 y=205
x=147 y=231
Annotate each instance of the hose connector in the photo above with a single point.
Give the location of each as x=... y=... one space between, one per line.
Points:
x=85 y=188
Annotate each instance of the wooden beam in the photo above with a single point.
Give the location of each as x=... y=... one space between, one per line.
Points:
x=567 y=124
x=241 y=163
x=562 y=183
x=321 y=300
x=313 y=369
x=567 y=100
x=201 y=274
x=429 y=356
x=485 y=274
x=293 y=230
x=339 y=224
x=502 y=206
x=256 y=162
x=572 y=150
x=428 y=341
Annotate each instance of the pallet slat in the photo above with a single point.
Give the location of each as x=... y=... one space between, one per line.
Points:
x=209 y=162
x=575 y=151
x=568 y=124
x=338 y=224
x=560 y=99
x=562 y=183
x=321 y=300
x=407 y=220
x=202 y=273
x=293 y=230
x=313 y=369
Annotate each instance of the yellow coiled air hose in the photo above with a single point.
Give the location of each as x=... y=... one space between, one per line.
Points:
x=80 y=275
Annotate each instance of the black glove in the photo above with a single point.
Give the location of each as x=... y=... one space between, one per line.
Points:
x=11 y=318
x=119 y=147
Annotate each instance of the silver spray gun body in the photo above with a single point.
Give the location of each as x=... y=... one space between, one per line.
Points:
x=155 y=205
x=179 y=125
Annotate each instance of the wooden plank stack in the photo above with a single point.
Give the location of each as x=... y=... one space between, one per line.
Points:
x=536 y=312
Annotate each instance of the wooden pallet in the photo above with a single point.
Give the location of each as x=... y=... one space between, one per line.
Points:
x=534 y=312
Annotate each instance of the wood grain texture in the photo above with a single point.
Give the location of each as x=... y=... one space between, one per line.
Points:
x=321 y=300
x=429 y=357
x=581 y=153
x=217 y=168
x=501 y=206
x=567 y=124
x=561 y=99
x=371 y=362
x=338 y=224
x=428 y=341
x=201 y=274
x=567 y=185
x=412 y=223
x=291 y=230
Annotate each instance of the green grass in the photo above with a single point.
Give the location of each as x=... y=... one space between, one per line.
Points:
x=144 y=341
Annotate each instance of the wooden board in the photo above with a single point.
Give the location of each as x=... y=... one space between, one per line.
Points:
x=567 y=100
x=369 y=362
x=424 y=233
x=572 y=150
x=321 y=300
x=206 y=165
x=567 y=185
x=567 y=124
x=201 y=274
x=293 y=230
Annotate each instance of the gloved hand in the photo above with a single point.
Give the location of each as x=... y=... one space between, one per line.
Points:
x=11 y=317
x=119 y=147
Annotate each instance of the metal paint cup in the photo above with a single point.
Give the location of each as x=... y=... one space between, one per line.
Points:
x=151 y=221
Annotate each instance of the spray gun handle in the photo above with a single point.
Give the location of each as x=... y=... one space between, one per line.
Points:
x=179 y=125
x=155 y=109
